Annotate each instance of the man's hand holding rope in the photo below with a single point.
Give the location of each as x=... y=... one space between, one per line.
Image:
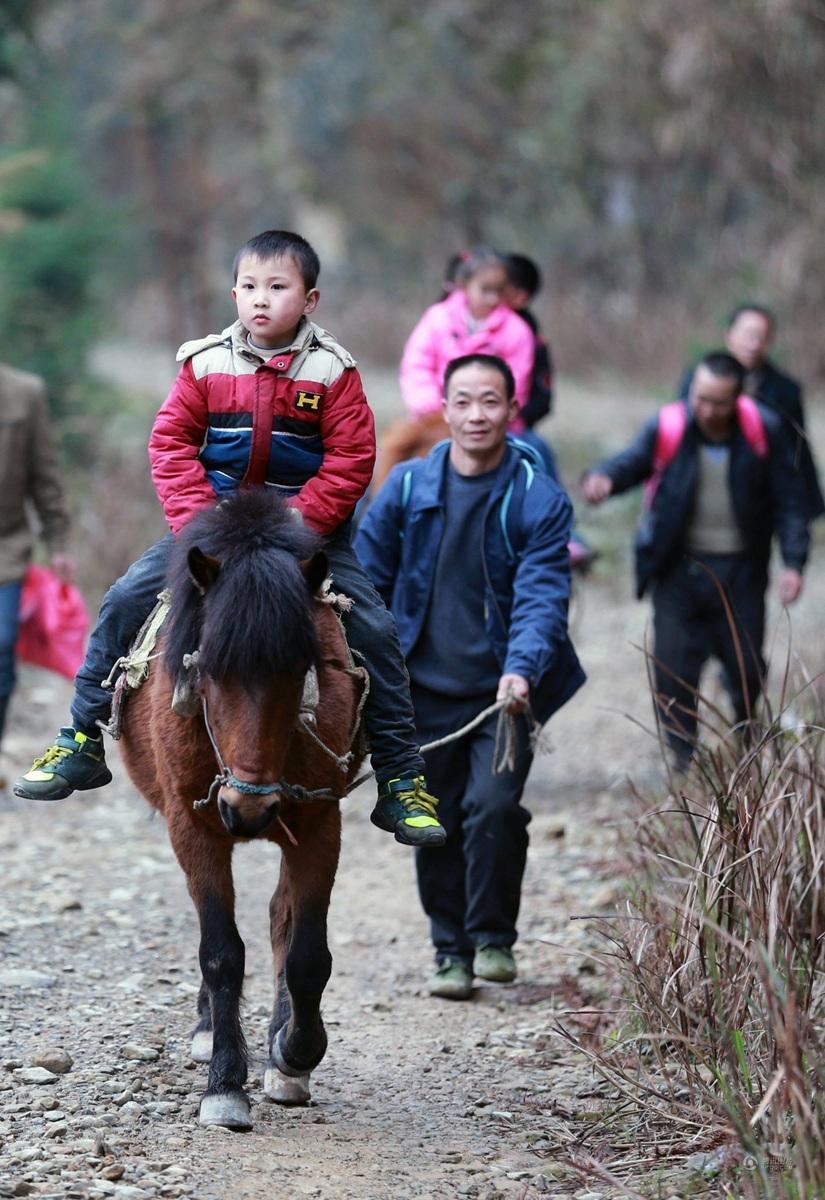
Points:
x=516 y=689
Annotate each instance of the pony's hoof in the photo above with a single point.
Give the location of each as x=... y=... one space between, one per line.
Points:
x=230 y=1110
x=201 y=1050
x=286 y=1089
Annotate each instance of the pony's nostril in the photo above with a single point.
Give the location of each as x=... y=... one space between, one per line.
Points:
x=228 y=815
x=241 y=825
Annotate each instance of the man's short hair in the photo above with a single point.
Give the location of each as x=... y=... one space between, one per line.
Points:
x=280 y=243
x=724 y=366
x=483 y=360
x=761 y=309
x=523 y=273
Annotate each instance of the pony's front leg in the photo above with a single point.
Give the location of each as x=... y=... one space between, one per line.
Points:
x=207 y=861
x=201 y=1050
x=303 y=965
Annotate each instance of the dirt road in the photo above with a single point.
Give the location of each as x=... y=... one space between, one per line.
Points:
x=417 y=1097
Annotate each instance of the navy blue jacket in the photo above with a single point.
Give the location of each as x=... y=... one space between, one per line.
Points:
x=767 y=496
x=784 y=395
x=526 y=565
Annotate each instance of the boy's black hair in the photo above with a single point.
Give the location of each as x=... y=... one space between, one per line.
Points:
x=280 y=243
x=761 y=309
x=484 y=360
x=522 y=272
x=724 y=366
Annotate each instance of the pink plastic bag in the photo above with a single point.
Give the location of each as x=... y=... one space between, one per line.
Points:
x=53 y=623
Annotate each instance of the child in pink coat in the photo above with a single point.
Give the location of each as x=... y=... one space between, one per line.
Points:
x=473 y=319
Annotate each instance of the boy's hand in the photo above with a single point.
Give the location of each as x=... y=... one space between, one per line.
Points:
x=596 y=487
x=518 y=688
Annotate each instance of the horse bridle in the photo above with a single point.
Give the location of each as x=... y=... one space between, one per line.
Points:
x=227 y=778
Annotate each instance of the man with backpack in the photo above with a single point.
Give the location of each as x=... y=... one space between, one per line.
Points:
x=468 y=548
x=750 y=334
x=720 y=482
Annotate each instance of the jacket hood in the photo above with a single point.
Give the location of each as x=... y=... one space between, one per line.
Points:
x=431 y=471
x=308 y=333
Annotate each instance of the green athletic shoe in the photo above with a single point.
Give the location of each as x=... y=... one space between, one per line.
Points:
x=495 y=963
x=406 y=809
x=74 y=763
x=453 y=980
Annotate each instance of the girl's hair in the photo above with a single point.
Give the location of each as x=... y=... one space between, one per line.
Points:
x=476 y=260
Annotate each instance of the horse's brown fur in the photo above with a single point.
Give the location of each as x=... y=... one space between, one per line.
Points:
x=172 y=763
x=407 y=439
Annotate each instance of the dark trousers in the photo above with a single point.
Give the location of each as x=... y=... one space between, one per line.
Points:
x=691 y=624
x=9 y=623
x=470 y=888
x=370 y=629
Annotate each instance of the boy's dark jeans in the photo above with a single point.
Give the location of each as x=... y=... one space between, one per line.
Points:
x=370 y=631
x=470 y=888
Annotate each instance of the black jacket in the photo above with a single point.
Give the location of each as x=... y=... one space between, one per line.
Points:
x=540 y=399
x=784 y=396
x=766 y=492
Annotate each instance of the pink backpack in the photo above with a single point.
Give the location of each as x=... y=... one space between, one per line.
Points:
x=673 y=420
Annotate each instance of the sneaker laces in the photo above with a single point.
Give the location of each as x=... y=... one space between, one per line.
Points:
x=449 y=964
x=54 y=753
x=418 y=798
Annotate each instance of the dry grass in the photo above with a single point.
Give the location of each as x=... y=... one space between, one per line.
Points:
x=719 y=953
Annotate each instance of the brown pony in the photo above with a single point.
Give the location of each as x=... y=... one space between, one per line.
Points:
x=243 y=577
x=406 y=439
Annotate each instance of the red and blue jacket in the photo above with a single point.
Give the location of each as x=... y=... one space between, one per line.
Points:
x=298 y=422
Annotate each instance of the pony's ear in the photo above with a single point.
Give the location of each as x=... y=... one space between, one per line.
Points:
x=315 y=570
x=203 y=568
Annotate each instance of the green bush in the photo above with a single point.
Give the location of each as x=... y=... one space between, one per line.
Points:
x=49 y=248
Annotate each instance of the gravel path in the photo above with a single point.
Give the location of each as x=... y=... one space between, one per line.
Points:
x=417 y=1097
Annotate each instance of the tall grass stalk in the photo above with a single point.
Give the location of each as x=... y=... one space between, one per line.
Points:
x=721 y=949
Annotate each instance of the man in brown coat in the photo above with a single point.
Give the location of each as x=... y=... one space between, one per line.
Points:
x=30 y=487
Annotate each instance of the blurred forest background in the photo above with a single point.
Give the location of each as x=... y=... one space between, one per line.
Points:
x=660 y=159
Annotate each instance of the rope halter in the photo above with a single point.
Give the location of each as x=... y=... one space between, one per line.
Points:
x=227 y=778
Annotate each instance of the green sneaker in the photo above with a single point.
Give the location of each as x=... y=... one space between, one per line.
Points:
x=495 y=963
x=453 y=980
x=74 y=763
x=406 y=809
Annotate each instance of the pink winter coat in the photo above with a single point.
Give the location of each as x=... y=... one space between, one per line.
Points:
x=442 y=335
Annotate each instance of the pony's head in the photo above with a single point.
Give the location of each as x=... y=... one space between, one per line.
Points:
x=242 y=578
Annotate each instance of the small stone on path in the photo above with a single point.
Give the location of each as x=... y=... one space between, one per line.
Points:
x=139 y=1053
x=55 y=1059
x=25 y=977
x=36 y=1075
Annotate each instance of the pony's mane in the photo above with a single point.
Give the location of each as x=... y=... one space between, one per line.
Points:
x=255 y=620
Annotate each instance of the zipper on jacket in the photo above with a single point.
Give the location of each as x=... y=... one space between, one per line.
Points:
x=487 y=580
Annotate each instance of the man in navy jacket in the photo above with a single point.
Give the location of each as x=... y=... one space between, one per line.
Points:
x=751 y=329
x=468 y=548
x=725 y=487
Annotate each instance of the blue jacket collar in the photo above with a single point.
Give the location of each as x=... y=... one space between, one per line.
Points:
x=431 y=476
